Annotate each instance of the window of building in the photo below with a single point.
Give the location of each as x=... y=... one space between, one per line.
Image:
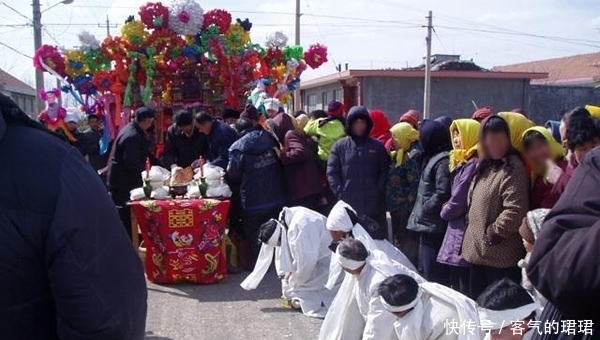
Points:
x=337 y=95
x=311 y=102
x=326 y=97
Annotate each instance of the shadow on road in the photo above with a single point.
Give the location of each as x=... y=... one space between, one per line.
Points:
x=152 y=336
x=227 y=291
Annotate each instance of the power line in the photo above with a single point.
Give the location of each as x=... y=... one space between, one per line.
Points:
x=15 y=50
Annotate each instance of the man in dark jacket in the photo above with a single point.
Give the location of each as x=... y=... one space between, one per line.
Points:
x=358 y=165
x=184 y=144
x=90 y=144
x=253 y=163
x=131 y=149
x=220 y=137
x=68 y=269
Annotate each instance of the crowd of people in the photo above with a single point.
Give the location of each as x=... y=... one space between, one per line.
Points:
x=493 y=219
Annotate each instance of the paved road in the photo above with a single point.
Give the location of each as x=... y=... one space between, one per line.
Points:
x=225 y=312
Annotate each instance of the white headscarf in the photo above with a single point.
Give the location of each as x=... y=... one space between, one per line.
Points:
x=411 y=323
x=497 y=319
x=283 y=257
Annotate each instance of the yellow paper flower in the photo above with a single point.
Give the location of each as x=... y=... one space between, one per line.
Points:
x=76 y=65
x=237 y=37
x=134 y=32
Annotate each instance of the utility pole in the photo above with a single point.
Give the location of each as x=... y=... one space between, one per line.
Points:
x=37 y=41
x=427 y=94
x=297 y=94
x=108 y=26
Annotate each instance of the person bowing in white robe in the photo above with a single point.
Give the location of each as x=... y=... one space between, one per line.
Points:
x=300 y=242
x=428 y=311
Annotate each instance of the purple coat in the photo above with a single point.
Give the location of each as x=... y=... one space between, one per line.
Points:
x=455 y=212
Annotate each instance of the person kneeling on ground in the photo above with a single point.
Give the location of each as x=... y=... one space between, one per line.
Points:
x=507 y=311
x=428 y=311
x=301 y=243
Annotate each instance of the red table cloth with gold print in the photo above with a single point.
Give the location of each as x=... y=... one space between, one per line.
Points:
x=184 y=239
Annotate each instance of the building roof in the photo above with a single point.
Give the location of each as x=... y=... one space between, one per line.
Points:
x=582 y=69
x=410 y=73
x=12 y=84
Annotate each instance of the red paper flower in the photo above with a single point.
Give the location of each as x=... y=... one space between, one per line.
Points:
x=316 y=55
x=274 y=57
x=50 y=56
x=154 y=15
x=218 y=17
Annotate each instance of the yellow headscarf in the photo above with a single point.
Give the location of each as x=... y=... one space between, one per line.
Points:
x=556 y=150
x=593 y=110
x=406 y=135
x=301 y=122
x=517 y=124
x=469 y=137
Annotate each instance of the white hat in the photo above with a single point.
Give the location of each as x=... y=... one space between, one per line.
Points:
x=271 y=104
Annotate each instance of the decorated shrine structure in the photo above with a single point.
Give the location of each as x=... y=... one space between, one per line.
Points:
x=177 y=56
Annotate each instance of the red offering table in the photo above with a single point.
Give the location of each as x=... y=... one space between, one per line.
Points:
x=184 y=239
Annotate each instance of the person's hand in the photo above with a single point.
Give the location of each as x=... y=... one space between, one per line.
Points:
x=554 y=172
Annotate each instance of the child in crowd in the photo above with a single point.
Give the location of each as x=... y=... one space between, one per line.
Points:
x=529 y=231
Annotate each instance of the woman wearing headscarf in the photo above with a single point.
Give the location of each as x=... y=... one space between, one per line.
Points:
x=301 y=168
x=381 y=128
x=517 y=124
x=543 y=152
x=463 y=163
x=434 y=191
x=402 y=187
x=498 y=201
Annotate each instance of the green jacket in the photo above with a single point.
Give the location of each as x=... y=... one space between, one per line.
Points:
x=327 y=132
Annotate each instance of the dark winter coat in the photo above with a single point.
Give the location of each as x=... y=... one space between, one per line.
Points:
x=253 y=163
x=68 y=268
x=281 y=124
x=455 y=212
x=300 y=162
x=131 y=149
x=565 y=263
x=434 y=191
x=221 y=137
x=357 y=169
x=183 y=150
x=89 y=144
x=434 y=185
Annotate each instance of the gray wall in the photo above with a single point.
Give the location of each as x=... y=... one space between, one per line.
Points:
x=546 y=102
x=449 y=96
x=323 y=95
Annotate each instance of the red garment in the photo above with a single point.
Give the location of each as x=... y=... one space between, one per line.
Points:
x=381 y=126
x=411 y=117
x=544 y=194
x=300 y=165
x=482 y=113
x=184 y=239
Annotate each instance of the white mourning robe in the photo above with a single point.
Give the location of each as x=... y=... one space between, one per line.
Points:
x=308 y=242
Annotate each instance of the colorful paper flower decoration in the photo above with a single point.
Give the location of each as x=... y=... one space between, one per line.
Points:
x=49 y=55
x=219 y=18
x=134 y=33
x=276 y=40
x=186 y=17
x=76 y=65
x=236 y=37
x=155 y=15
x=316 y=55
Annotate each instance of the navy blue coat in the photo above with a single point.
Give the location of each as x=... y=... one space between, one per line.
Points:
x=357 y=170
x=68 y=270
x=254 y=164
x=221 y=137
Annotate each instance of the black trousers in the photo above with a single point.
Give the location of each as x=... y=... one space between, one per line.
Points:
x=431 y=270
x=481 y=277
x=121 y=198
x=405 y=240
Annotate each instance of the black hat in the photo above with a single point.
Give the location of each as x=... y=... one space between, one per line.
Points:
x=184 y=118
x=144 y=112
x=231 y=113
x=250 y=113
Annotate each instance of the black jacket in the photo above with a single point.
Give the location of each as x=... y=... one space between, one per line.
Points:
x=254 y=164
x=131 y=149
x=181 y=149
x=221 y=137
x=68 y=270
x=565 y=264
x=89 y=144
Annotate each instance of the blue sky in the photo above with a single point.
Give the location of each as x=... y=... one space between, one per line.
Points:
x=363 y=33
